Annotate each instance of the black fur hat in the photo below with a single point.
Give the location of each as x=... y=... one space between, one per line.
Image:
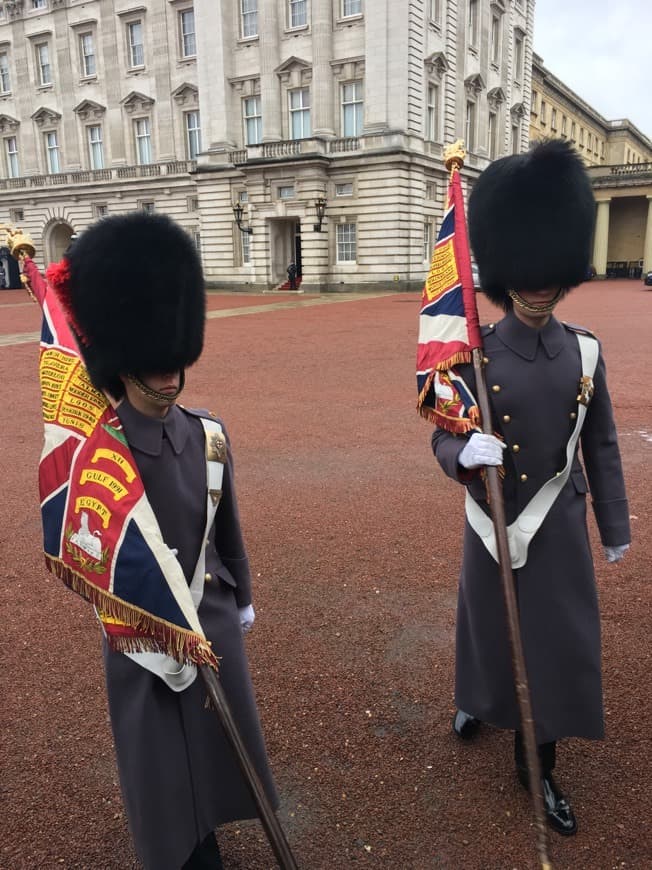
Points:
x=136 y=298
x=531 y=221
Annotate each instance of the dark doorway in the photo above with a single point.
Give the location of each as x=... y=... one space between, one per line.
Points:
x=297 y=248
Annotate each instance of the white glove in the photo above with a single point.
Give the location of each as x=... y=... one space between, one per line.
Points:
x=174 y=674
x=247 y=617
x=481 y=450
x=615 y=554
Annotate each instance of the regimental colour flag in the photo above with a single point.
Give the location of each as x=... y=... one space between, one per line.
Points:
x=448 y=323
x=100 y=535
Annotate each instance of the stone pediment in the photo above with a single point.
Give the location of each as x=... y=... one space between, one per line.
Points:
x=8 y=124
x=474 y=84
x=436 y=64
x=46 y=116
x=518 y=111
x=498 y=6
x=137 y=102
x=89 y=109
x=295 y=69
x=496 y=97
x=186 y=94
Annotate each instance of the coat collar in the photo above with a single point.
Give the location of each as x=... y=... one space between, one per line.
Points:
x=524 y=340
x=146 y=433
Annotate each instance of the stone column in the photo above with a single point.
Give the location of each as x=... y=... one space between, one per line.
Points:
x=647 y=247
x=601 y=239
x=376 y=95
x=213 y=70
x=321 y=91
x=270 y=87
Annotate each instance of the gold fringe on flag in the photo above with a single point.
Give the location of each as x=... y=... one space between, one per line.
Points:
x=182 y=644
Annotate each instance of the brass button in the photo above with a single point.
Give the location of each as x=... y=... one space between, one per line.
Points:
x=523 y=478
x=485 y=359
x=557 y=473
x=573 y=415
x=491 y=325
x=507 y=418
x=516 y=448
x=208 y=577
x=496 y=388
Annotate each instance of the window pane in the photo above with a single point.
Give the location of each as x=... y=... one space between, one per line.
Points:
x=249 y=15
x=88 y=54
x=43 y=55
x=11 y=150
x=351 y=7
x=52 y=152
x=346 y=243
x=136 y=47
x=5 y=79
x=345 y=189
x=298 y=13
x=245 y=242
x=143 y=141
x=352 y=109
x=95 y=148
x=188 y=41
x=300 y=114
x=253 y=121
x=193 y=133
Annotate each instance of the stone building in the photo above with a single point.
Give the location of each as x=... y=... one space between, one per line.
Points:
x=281 y=107
x=619 y=161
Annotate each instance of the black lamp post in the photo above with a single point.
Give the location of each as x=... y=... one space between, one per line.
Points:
x=320 y=208
x=237 y=214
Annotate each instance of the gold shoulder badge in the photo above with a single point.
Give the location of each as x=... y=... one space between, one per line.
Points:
x=216 y=447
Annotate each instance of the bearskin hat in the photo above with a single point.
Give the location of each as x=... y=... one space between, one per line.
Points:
x=135 y=298
x=531 y=220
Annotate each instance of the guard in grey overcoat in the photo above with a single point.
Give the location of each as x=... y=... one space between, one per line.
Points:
x=138 y=331
x=531 y=219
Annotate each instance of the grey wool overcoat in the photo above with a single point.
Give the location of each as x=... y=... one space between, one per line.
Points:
x=532 y=378
x=178 y=775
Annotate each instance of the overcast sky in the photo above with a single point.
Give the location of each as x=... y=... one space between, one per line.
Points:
x=602 y=50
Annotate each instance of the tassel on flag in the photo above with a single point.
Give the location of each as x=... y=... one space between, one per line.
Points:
x=449 y=330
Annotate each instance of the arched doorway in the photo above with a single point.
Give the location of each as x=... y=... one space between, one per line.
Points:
x=57 y=241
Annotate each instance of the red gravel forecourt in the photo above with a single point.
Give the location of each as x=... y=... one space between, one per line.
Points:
x=354 y=538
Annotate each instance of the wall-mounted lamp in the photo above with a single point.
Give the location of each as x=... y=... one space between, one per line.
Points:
x=320 y=208
x=237 y=214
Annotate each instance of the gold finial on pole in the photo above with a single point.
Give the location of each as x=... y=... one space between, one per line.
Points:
x=20 y=243
x=454 y=155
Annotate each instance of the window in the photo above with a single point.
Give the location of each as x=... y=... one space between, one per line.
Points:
x=286 y=191
x=243 y=196
x=573 y=131
x=298 y=13
x=470 y=126
x=245 y=248
x=495 y=39
x=249 y=18
x=346 y=243
x=146 y=205
x=100 y=209
x=43 y=63
x=563 y=125
x=187 y=33
x=253 y=120
x=95 y=147
x=431 y=190
x=52 y=152
x=516 y=137
x=39 y=4
x=535 y=102
x=196 y=237
x=432 y=113
x=352 y=109
x=351 y=7
x=434 y=7
x=492 y=131
x=582 y=137
x=193 y=203
x=518 y=56
x=11 y=154
x=589 y=142
x=344 y=189
x=143 y=141
x=473 y=23
x=5 y=78
x=553 y=119
x=16 y=215
x=193 y=135
x=542 y=116
x=87 y=52
x=300 y=113
x=427 y=241
x=135 y=43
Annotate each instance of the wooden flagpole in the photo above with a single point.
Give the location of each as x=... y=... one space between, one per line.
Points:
x=454 y=160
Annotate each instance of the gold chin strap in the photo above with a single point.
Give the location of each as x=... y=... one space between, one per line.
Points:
x=154 y=395
x=534 y=309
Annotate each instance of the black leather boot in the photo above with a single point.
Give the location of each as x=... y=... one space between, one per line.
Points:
x=559 y=814
x=206 y=856
x=465 y=726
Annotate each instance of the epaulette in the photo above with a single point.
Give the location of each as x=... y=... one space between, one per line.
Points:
x=200 y=412
x=581 y=330
x=487 y=329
